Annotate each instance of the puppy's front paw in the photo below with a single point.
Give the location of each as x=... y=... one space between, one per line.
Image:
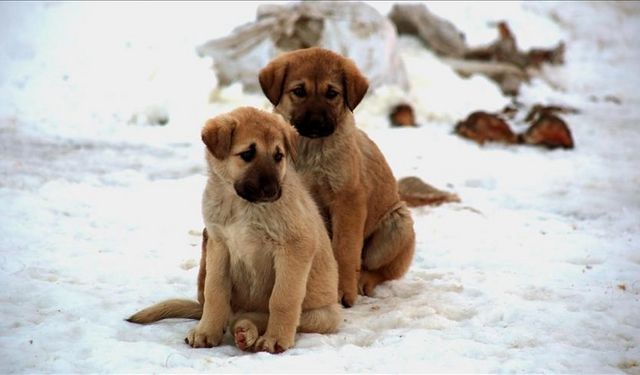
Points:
x=203 y=338
x=348 y=297
x=272 y=344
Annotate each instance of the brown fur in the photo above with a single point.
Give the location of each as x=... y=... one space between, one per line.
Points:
x=548 y=130
x=268 y=268
x=402 y=115
x=482 y=127
x=417 y=193
x=371 y=229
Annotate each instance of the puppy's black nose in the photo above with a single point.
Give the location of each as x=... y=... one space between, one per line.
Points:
x=248 y=191
x=264 y=189
x=270 y=192
x=314 y=125
x=316 y=121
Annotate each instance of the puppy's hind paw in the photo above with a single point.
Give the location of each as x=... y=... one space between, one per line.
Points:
x=245 y=335
x=368 y=282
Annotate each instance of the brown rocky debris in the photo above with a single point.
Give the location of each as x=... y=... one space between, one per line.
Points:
x=402 y=115
x=482 y=127
x=539 y=109
x=438 y=34
x=548 y=130
x=504 y=50
x=509 y=111
x=554 y=56
x=416 y=193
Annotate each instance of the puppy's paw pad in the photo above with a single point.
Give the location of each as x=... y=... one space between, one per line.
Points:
x=198 y=339
x=348 y=291
x=348 y=299
x=272 y=345
x=245 y=334
x=367 y=283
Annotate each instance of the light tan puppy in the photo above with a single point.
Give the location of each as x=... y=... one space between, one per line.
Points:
x=372 y=233
x=269 y=265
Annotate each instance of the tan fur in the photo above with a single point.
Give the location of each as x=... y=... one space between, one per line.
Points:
x=172 y=308
x=268 y=268
x=371 y=228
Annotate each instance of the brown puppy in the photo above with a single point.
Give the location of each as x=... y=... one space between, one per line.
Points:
x=269 y=265
x=372 y=233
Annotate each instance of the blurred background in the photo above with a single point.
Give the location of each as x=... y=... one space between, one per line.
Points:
x=523 y=116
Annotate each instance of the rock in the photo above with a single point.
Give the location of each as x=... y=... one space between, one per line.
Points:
x=416 y=193
x=353 y=29
x=155 y=115
x=402 y=115
x=539 y=109
x=482 y=127
x=436 y=33
x=613 y=99
x=553 y=56
x=504 y=50
x=509 y=111
x=548 y=130
x=506 y=75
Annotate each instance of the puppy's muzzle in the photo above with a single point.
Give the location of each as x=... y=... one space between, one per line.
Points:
x=314 y=125
x=258 y=190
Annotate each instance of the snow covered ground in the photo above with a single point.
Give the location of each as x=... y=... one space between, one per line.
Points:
x=536 y=270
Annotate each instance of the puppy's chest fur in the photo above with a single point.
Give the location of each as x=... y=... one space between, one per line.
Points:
x=249 y=246
x=251 y=235
x=321 y=162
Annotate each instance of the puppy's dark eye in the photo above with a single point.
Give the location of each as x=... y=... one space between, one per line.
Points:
x=249 y=154
x=331 y=93
x=278 y=157
x=299 y=92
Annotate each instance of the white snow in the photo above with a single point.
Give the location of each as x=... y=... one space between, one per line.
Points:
x=537 y=270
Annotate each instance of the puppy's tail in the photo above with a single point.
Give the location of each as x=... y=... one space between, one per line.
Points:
x=173 y=308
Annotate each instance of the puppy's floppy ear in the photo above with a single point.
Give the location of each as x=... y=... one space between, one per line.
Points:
x=272 y=79
x=217 y=135
x=354 y=83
